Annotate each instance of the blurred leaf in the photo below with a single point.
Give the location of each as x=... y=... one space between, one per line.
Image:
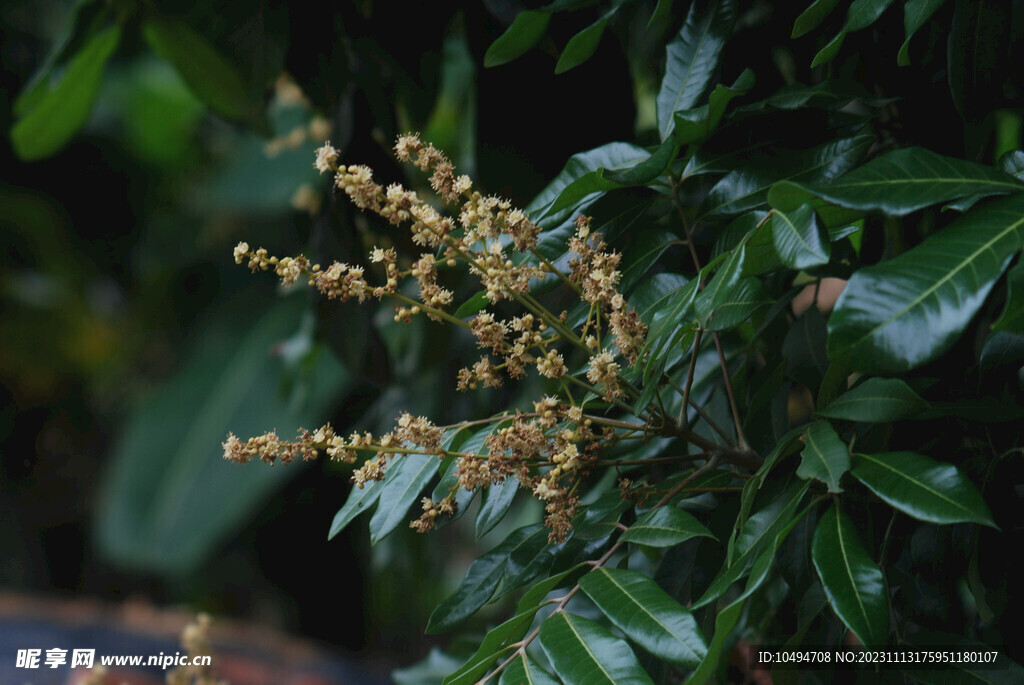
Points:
x=403 y=483
x=900 y=182
x=480 y=582
x=862 y=13
x=915 y=14
x=811 y=17
x=87 y=18
x=979 y=39
x=430 y=671
x=494 y=505
x=923 y=488
x=853 y=582
x=937 y=286
x=664 y=527
x=212 y=78
x=527 y=28
x=452 y=123
x=800 y=241
x=584 y=653
x=824 y=457
x=692 y=57
x=169 y=496
x=56 y=116
x=876 y=400
x=646 y=614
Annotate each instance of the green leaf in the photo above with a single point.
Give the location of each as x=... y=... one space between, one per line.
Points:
x=209 y=75
x=747 y=188
x=665 y=527
x=923 y=488
x=720 y=287
x=727 y=618
x=757 y=532
x=915 y=14
x=800 y=241
x=738 y=304
x=1012 y=318
x=402 y=486
x=825 y=457
x=901 y=182
x=696 y=125
x=645 y=170
x=527 y=28
x=472 y=306
x=583 y=45
x=494 y=505
x=692 y=57
x=980 y=39
x=811 y=17
x=170 y=498
x=531 y=559
x=479 y=584
x=584 y=653
x=497 y=641
x=862 y=13
x=57 y=115
x=646 y=614
x=853 y=582
x=610 y=156
x=876 y=400
x=662 y=13
x=937 y=287
x=523 y=671
x=359 y=500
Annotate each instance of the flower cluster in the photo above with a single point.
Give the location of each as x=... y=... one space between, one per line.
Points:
x=549 y=451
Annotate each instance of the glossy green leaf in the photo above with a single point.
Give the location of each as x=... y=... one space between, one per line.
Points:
x=496 y=643
x=824 y=457
x=853 y=582
x=476 y=303
x=923 y=488
x=746 y=297
x=1012 y=318
x=915 y=14
x=403 y=483
x=57 y=115
x=811 y=17
x=876 y=400
x=646 y=614
x=1012 y=163
x=757 y=532
x=359 y=500
x=692 y=57
x=721 y=285
x=937 y=286
x=479 y=583
x=900 y=182
x=747 y=188
x=696 y=125
x=494 y=505
x=524 y=671
x=646 y=170
x=531 y=559
x=727 y=618
x=170 y=498
x=538 y=592
x=209 y=75
x=664 y=527
x=611 y=156
x=799 y=239
x=861 y=14
x=584 y=653
x=527 y=28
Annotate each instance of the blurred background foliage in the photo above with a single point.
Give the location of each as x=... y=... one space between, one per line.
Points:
x=142 y=141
